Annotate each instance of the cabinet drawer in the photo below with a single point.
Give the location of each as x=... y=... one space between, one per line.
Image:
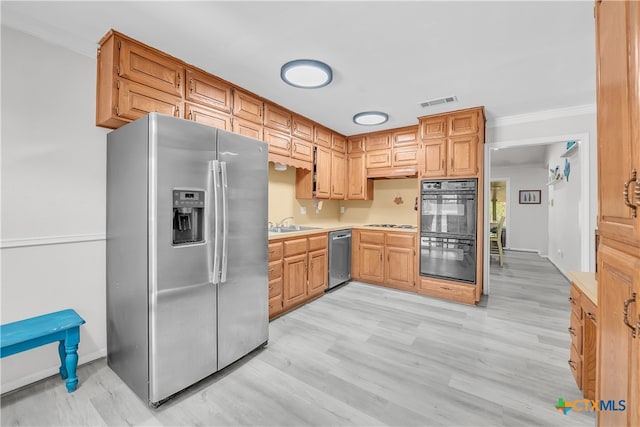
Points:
x=575 y=332
x=317 y=242
x=295 y=247
x=448 y=290
x=378 y=159
x=275 y=288
x=574 y=300
x=400 y=240
x=376 y=237
x=576 y=366
x=275 y=251
x=275 y=270
x=405 y=156
x=589 y=309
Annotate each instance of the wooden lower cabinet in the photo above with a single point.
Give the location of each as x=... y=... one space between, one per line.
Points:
x=384 y=258
x=275 y=279
x=304 y=267
x=582 y=330
x=444 y=289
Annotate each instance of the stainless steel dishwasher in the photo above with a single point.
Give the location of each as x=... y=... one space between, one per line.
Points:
x=339 y=257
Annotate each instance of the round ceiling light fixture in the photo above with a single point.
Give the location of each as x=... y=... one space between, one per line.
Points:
x=306 y=73
x=370 y=118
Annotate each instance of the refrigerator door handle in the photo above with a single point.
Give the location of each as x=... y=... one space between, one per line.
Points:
x=225 y=222
x=214 y=168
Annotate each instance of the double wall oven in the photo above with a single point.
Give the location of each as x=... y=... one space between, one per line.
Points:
x=448 y=232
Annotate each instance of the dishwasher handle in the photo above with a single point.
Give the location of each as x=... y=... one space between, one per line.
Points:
x=341 y=236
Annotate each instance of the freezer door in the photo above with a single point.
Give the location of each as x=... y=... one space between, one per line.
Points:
x=243 y=290
x=182 y=318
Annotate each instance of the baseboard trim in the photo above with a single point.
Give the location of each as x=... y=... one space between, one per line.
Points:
x=556 y=266
x=51 y=240
x=46 y=373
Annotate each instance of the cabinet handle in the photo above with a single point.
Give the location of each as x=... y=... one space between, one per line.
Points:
x=380 y=256
x=571 y=300
x=271 y=270
x=452 y=163
x=572 y=331
x=177 y=113
x=445 y=288
x=191 y=85
x=288 y=123
x=117 y=110
x=572 y=364
x=190 y=117
x=179 y=80
x=625 y=314
x=591 y=316
x=288 y=146
x=637 y=192
x=442 y=164
x=625 y=193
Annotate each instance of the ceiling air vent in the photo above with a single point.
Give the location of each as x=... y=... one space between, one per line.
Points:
x=438 y=101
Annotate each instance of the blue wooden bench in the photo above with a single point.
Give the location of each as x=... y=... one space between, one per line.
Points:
x=62 y=326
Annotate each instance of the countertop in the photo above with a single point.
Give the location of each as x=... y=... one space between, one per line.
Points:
x=586 y=282
x=326 y=227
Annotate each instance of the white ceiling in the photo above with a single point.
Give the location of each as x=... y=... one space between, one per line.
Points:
x=512 y=57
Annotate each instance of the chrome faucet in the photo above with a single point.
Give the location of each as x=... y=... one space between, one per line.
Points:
x=284 y=221
x=270 y=224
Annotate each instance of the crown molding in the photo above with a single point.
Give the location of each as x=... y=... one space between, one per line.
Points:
x=576 y=110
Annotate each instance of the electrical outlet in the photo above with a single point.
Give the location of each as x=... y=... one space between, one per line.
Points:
x=303 y=210
x=341 y=209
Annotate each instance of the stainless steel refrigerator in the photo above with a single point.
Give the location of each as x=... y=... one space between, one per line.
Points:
x=187 y=281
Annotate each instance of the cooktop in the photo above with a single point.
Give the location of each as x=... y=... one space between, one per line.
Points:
x=391 y=225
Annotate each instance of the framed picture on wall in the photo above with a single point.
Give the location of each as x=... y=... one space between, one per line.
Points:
x=530 y=197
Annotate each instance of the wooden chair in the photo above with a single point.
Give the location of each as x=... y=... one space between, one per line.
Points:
x=495 y=241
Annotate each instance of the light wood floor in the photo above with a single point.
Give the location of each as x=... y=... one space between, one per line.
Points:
x=365 y=355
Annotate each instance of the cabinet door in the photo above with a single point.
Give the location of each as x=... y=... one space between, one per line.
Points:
x=323 y=173
x=464 y=123
x=371 y=263
x=356 y=177
x=302 y=150
x=207 y=116
x=295 y=280
x=247 y=107
x=618 y=278
x=400 y=270
x=377 y=141
x=378 y=159
x=150 y=68
x=338 y=143
x=208 y=90
x=434 y=154
x=405 y=138
x=247 y=128
x=277 y=118
x=136 y=100
x=338 y=175
x=433 y=128
x=617 y=118
x=355 y=144
x=322 y=137
x=318 y=269
x=462 y=152
x=405 y=156
x=302 y=128
x=279 y=142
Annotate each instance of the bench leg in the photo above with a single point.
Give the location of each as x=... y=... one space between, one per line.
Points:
x=63 y=355
x=71 y=358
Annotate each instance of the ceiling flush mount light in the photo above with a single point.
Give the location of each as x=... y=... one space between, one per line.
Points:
x=370 y=118
x=306 y=73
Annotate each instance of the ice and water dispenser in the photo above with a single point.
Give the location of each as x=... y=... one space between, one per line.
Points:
x=188 y=216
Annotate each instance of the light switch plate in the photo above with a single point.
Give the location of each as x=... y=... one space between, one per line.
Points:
x=303 y=210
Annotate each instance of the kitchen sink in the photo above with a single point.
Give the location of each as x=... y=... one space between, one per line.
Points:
x=290 y=228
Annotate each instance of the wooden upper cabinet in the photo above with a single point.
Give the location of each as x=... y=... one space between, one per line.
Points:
x=301 y=150
x=355 y=144
x=207 y=116
x=322 y=136
x=434 y=153
x=247 y=107
x=247 y=128
x=150 y=67
x=207 y=90
x=279 y=142
x=463 y=123
x=338 y=175
x=377 y=141
x=405 y=138
x=302 y=128
x=462 y=153
x=617 y=120
x=339 y=143
x=323 y=173
x=404 y=156
x=433 y=127
x=136 y=100
x=277 y=118
x=358 y=186
x=378 y=159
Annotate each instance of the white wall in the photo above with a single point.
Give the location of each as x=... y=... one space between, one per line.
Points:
x=567 y=122
x=53 y=190
x=527 y=226
x=564 y=200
